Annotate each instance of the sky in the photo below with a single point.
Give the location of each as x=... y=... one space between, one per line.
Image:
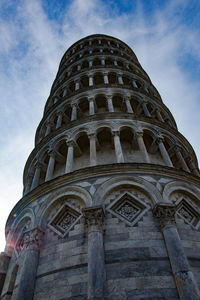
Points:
x=34 y=35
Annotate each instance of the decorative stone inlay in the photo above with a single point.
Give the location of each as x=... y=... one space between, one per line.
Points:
x=188 y=213
x=128 y=209
x=31 y=240
x=165 y=213
x=64 y=220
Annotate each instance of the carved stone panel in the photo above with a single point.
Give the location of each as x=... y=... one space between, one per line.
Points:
x=128 y=209
x=64 y=220
x=188 y=212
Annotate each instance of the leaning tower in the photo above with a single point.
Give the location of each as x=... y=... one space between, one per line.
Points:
x=110 y=208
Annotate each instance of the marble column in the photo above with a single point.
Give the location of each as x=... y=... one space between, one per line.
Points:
x=128 y=105
x=192 y=166
x=96 y=261
x=74 y=111
x=115 y=63
x=36 y=176
x=59 y=119
x=30 y=247
x=134 y=83
x=118 y=148
x=183 y=276
x=163 y=151
x=158 y=114
x=77 y=85
x=64 y=92
x=105 y=78
x=78 y=67
x=55 y=100
x=4 y=263
x=48 y=128
x=91 y=105
x=110 y=104
x=91 y=83
x=103 y=61
x=142 y=147
x=181 y=159
x=70 y=157
x=93 y=158
x=120 y=80
x=145 y=109
x=90 y=63
x=28 y=183
x=51 y=164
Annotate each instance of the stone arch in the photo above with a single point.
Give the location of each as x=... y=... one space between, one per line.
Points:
x=116 y=183
x=181 y=186
x=101 y=103
x=105 y=150
x=75 y=192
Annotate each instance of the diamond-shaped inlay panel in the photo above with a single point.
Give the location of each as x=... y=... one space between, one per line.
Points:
x=64 y=220
x=188 y=213
x=128 y=209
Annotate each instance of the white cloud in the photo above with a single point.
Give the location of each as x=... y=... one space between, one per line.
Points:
x=32 y=46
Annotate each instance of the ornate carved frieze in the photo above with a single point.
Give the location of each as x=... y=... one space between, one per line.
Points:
x=165 y=213
x=128 y=209
x=64 y=220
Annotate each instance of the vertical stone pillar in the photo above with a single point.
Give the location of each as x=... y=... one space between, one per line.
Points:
x=120 y=80
x=36 y=176
x=105 y=78
x=110 y=104
x=78 y=67
x=118 y=148
x=192 y=166
x=55 y=100
x=115 y=62
x=96 y=261
x=91 y=105
x=93 y=158
x=142 y=147
x=163 y=151
x=74 y=111
x=91 y=83
x=64 y=92
x=77 y=85
x=134 y=83
x=183 y=276
x=90 y=63
x=70 y=157
x=30 y=246
x=59 y=119
x=48 y=128
x=4 y=263
x=103 y=61
x=128 y=105
x=145 y=109
x=28 y=183
x=51 y=164
x=181 y=159
x=158 y=114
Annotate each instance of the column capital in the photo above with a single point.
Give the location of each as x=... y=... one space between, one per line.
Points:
x=48 y=123
x=51 y=152
x=127 y=97
x=91 y=135
x=38 y=165
x=59 y=112
x=94 y=215
x=139 y=133
x=165 y=213
x=31 y=240
x=74 y=104
x=70 y=143
x=159 y=139
x=115 y=132
x=91 y=98
x=109 y=96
